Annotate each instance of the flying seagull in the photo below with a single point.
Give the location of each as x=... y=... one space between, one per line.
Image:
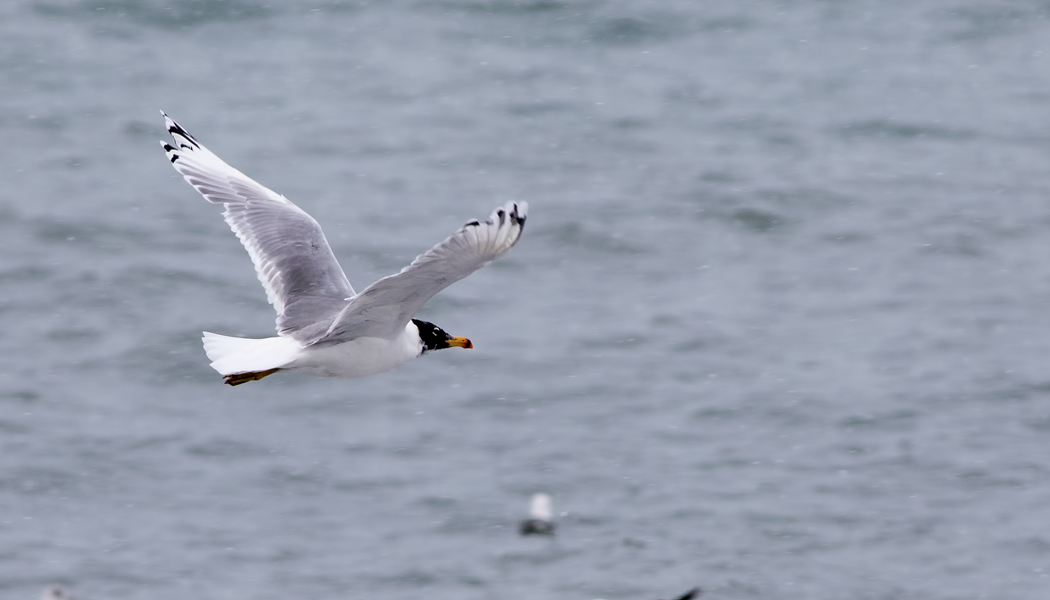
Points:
x=324 y=327
x=540 y=517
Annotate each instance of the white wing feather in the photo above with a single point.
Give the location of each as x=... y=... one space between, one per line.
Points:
x=301 y=276
x=384 y=308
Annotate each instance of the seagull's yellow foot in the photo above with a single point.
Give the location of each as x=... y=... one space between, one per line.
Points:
x=239 y=378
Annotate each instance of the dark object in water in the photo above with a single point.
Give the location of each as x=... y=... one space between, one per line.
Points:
x=693 y=593
x=540 y=521
x=537 y=527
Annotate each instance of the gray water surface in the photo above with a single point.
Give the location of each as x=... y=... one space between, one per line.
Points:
x=777 y=326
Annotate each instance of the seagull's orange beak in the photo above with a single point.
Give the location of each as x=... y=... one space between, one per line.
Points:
x=459 y=342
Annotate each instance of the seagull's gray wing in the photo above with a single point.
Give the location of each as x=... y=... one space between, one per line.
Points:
x=302 y=278
x=385 y=307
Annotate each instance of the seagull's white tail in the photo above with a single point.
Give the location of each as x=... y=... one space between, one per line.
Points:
x=230 y=355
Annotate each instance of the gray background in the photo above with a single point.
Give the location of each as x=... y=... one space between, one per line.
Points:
x=777 y=325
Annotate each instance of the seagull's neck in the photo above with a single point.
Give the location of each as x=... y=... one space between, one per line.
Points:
x=411 y=336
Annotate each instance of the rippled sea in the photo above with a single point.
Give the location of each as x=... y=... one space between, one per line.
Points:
x=778 y=325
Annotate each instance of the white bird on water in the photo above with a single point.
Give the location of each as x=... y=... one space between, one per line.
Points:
x=541 y=517
x=324 y=327
x=55 y=592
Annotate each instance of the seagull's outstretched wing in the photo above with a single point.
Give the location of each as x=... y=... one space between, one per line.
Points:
x=302 y=278
x=385 y=307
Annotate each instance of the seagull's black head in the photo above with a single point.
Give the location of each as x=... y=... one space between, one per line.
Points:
x=436 y=338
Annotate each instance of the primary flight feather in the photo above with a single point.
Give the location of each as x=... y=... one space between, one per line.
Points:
x=323 y=326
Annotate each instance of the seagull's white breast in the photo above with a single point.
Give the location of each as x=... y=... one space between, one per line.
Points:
x=360 y=357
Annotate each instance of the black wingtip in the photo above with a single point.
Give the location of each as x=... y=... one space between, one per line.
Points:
x=177 y=131
x=171 y=152
x=518 y=219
